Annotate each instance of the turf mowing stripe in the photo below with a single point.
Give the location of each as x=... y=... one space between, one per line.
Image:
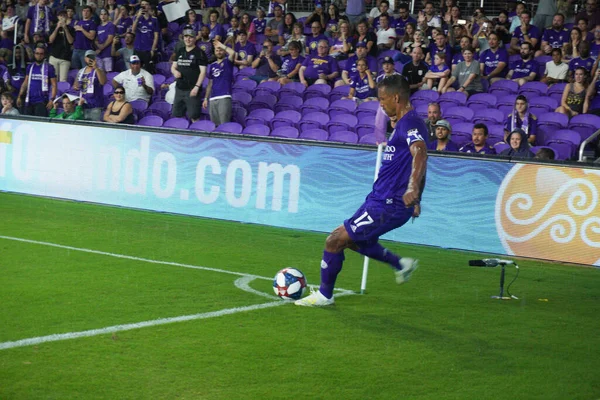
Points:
x=137 y=325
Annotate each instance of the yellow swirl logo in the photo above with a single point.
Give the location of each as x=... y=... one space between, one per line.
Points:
x=550 y=213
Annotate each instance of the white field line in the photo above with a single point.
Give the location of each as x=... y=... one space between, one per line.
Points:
x=241 y=283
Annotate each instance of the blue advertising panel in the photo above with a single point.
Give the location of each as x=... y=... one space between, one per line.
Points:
x=296 y=186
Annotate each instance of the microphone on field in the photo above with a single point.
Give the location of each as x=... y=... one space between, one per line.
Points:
x=490 y=262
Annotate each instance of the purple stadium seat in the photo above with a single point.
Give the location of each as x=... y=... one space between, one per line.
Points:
x=595 y=104
x=342 y=122
x=339 y=92
x=314 y=120
x=314 y=134
x=542 y=60
x=507 y=100
x=534 y=89
x=585 y=124
x=366 y=109
x=535 y=149
x=504 y=87
x=458 y=98
x=288 y=102
x=500 y=147
x=261 y=116
x=239 y=114
x=62 y=87
x=257 y=130
x=315 y=104
x=242 y=98
x=268 y=87
x=151 y=120
x=482 y=100
x=495 y=133
x=159 y=79
x=490 y=116
x=292 y=88
x=542 y=104
x=366 y=125
x=421 y=109
x=205 y=125
x=244 y=85
x=461 y=138
x=512 y=60
x=458 y=114
x=424 y=97
x=262 y=101
x=285 y=118
x=506 y=110
x=285 y=132
x=229 y=127
x=178 y=123
x=72 y=75
x=247 y=71
x=463 y=127
x=562 y=150
x=160 y=108
x=139 y=105
x=368 y=139
x=107 y=89
x=318 y=90
x=343 y=106
x=163 y=68
x=553 y=119
x=564 y=135
x=555 y=91
x=343 y=137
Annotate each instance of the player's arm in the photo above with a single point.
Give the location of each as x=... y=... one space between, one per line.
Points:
x=416 y=184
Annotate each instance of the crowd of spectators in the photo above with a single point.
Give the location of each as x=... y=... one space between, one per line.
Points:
x=67 y=61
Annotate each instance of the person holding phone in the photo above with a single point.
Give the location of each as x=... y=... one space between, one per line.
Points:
x=146 y=29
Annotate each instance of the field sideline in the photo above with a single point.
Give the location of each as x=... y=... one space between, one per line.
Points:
x=210 y=327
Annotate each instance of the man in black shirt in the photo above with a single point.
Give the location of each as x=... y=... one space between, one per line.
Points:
x=189 y=69
x=415 y=71
x=61 y=40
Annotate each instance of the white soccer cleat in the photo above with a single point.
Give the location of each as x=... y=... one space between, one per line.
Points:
x=409 y=265
x=315 y=299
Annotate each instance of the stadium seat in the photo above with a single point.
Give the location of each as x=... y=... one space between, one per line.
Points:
x=504 y=87
x=506 y=100
x=344 y=137
x=315 y=104
x=341 y=122
x=229 y=127
x=553 y=119
x=556 y=91
x=177 y=123
x=366 y=109
x=151 y=120
x=490 y=116
x=314 y=120
x=259 y=116
x=368 y=139
x=246 y=72
x=204 y=125
x=314 y=134
x=160 y=108
x=62 y=87
x=257 y=130
x=244 y=85
x=241 y=98
x=421 y=109
x=535 y=149
x=366 y=125
x=500 y=147
x=288 y=102
x=534 y=89
x=458 y=114
x=424 y=97
x=267 y=87
x=458 y=98
x=239 y=114
x=318 y=90
x=542 y=104
x=262 y=101
x=285 y=132
x=339 y=92
x=482 y=100
x=343 y=106
x=495 y=133
x=562 y=150
x=585 y=124
x=292 y=88
x=285 y=118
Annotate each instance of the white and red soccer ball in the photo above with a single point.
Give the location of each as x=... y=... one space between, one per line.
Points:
x=289 y=284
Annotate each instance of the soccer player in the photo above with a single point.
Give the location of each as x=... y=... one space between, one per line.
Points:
x=395 y=197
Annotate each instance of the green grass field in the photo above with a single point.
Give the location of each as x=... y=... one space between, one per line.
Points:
x=438 y=337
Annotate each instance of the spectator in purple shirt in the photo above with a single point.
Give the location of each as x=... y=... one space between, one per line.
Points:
x=523 y=119
x=312 y=42
x=554 y=37
x=442 y=134
x=267 y=63
x=89 y=82
x=220 y=81
x=584 y=60
x=321 y=68
x=122 y=21
x=146 y=30
x=405 y=18
x=39 y=18
x=479 y=144
x=245 y=51
x=216 y=30
x=526 y=69
x=106 y=34
x=362 y=84
x=524 y=33
x=39 y=86
x=494 y=61
x=291 y=64
x=85 y=33
x=350 y=69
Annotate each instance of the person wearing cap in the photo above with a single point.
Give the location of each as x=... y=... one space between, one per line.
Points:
x=189 y=70
x=442 y=135
x=85 y=33
x=61 y=41
x=386 y=35
x=138 y=83
x=321 y=68
x=350 y=68
x=146 y=29
x=220 y=81
x=479 y=142
x=244 y=50
x=39 y=86
x=388 y=68
x=89 y=82
x=39 y=17
x=71 y=111
x=124 y=52
x=415 y=70
x=519 y=147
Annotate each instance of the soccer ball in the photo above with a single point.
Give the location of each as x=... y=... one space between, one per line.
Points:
x=289 y=284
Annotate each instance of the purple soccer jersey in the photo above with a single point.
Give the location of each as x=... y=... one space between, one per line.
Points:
x=470 y=148
x=400 y=25
x=316 y=65
x=144 y=33
x=450 y=146
x=104 y=31
x=81 y=42
x=35 y=89
x=532 y=30
x=215 y=31
x=123 y=26
x=221 y=74
x=588 y=63
x=351 y=64
x=288 y=63
x=556 y=39
x=361 y=86
x=90 y=89
x=259 y=25
x=312 y=43
x=244 y=51
x=522 y=68
x=594 y=49
x=491 y=59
